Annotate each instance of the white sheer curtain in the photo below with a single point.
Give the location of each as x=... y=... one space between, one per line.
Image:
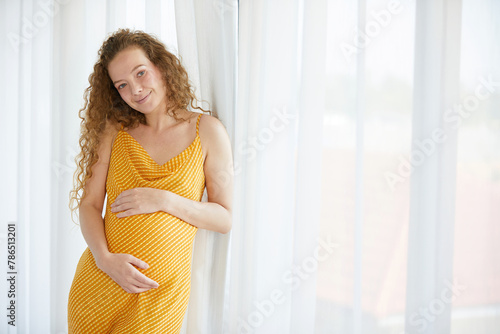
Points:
x=366 y=146
x=357 y=213
x=207 y=40
x=278 y=143
x=48 y=50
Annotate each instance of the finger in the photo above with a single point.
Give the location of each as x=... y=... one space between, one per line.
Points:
x=127 y=192
x=143 y=281
x=118 y=197
x=139 y=279
x=123 y=194
x=132 y=288
x=122 y=200
x=136 y=289
x=121 y=207
x=126 y=213
x=137 y=262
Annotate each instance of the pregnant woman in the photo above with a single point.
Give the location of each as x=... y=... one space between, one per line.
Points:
x=153 y=158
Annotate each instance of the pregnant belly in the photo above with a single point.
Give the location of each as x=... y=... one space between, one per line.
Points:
x=161 y=240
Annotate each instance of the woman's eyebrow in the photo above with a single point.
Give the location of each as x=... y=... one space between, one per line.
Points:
x=114 y=82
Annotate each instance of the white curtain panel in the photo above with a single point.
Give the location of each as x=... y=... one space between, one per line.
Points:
x=366 y=140
x=27 y=189
x=281 y=61
x=433 y=182
x=410 y=161
x=207 y=41
x=379 y=242
x=48 y=50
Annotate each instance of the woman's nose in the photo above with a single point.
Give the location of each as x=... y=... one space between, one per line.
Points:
x=136 y=88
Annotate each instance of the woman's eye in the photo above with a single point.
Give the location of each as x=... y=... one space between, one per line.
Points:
x=121 y=86
x=141 y=73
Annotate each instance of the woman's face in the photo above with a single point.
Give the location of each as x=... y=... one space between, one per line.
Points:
x=138 y=81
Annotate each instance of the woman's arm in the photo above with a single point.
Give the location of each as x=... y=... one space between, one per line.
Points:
x=206 y=215
x=90 y=211
x=215 y=214
x=118 y=266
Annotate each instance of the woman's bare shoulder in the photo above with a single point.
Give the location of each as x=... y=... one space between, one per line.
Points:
x=212 y=131
x=107 y=138
x=210 y=124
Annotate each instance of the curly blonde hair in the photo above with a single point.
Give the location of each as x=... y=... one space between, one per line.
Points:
x=104 y=104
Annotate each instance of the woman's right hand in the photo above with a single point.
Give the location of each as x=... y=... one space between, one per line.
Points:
x=120 y=267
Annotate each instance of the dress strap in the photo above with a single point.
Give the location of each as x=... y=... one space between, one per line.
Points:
x=198 y=125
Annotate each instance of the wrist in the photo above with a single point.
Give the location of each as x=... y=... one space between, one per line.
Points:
x=101 y=257
x=166 y=201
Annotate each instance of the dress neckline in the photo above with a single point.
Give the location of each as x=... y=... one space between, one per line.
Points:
x=169 y=160
x=197 y=138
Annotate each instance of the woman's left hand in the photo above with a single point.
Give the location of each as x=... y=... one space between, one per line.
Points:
x=138 y=201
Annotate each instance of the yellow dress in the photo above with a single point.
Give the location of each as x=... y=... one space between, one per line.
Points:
x=96 y=303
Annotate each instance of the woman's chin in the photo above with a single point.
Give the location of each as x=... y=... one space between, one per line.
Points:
x=144 y=111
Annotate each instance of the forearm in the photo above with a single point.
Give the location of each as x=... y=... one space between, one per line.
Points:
x=92 y=226
x=204 y=215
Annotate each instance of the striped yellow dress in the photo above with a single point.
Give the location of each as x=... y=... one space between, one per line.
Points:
x=96 y=303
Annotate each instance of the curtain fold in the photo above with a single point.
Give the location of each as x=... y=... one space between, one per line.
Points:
x=311 y=109
x=433 y=158
x=26 y=106
x=279 y=110
x=206 y=35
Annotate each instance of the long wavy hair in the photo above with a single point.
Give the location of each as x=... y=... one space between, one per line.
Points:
x=103 y=104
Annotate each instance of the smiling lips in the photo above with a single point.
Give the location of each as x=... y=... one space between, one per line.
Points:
x=141 y=101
